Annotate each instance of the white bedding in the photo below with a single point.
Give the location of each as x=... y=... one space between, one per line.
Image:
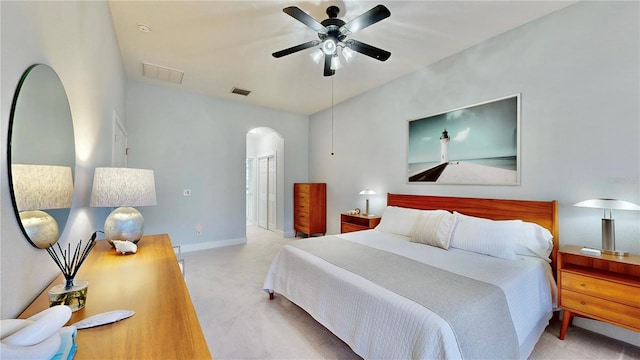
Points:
x=379 y=324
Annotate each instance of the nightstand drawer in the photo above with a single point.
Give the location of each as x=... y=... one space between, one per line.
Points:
x=620 y=293
x=349 y=223
x=601 y=309
x=347 y=227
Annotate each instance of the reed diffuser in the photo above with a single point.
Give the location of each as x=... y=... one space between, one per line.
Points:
x=72 y=293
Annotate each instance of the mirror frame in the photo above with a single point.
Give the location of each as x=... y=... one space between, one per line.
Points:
x=10 y=150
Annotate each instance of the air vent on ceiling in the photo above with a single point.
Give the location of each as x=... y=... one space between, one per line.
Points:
x=162 y=73
x=238 y=91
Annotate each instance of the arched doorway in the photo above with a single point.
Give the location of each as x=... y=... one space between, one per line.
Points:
x=265 y=148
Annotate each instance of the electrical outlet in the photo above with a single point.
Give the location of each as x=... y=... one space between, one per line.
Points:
x=198 y=230
x=186 y=192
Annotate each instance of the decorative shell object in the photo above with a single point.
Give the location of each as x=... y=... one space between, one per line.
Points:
x=124 y=247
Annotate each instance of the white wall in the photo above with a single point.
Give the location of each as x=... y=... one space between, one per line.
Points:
x=197 y=142
x=578 y=73
x=78 y=41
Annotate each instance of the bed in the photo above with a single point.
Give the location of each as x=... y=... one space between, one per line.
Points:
x=440 y=277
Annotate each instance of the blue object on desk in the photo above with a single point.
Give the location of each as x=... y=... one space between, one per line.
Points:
x=68 y=344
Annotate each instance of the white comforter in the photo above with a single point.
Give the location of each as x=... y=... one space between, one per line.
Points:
x=379 y=324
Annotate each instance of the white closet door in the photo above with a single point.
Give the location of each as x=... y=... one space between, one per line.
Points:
x=272 y=193
x=263 y=195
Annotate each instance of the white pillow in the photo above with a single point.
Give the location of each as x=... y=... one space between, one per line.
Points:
x=484 y=236
x=399 y=220
x=534 y=241
x=434 y=228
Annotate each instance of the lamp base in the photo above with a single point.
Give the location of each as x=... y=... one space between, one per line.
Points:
x=615 y=252
x=40 y=227
x=124 y=223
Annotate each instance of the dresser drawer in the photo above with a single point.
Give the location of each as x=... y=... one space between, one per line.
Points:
x=620 y=293
x=302 y=207
x=602 y=309
x=303 y=188
x=301 y=219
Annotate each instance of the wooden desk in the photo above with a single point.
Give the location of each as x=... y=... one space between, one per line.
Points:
x=165 y=325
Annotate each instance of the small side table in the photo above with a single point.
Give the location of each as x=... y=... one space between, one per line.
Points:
x=349 y=223
x=604 y=287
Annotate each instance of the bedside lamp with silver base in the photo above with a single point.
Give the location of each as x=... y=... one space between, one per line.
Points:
x=608 y=224
x=123 y=188
x=366 y=193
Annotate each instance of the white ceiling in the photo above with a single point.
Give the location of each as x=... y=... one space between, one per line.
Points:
x=224 y=44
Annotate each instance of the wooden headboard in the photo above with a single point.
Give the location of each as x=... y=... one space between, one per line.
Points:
x=544 y=213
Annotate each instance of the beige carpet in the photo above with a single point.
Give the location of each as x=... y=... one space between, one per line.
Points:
x=239 y=322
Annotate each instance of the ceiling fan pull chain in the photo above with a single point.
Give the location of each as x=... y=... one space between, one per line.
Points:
x=331 y=116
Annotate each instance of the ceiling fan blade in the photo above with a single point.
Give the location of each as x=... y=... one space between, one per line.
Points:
x=296 y=13
x=327 y=66
x=367 y=19
x=368 y=50
x=296 y=48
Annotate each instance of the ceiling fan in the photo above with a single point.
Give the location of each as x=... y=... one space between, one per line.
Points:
x=333 y=33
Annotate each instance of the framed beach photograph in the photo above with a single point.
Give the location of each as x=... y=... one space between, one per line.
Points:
x=477 y=144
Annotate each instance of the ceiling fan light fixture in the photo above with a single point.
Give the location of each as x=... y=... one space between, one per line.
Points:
x=332 y=33
x=317 y=56
x=335 y=62
x=329 y=46
x=348 y=54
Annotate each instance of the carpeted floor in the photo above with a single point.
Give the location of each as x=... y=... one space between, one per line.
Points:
x=239 y=322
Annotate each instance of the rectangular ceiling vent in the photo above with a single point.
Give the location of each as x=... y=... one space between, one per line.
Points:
x=238 y=91
x=162 y=73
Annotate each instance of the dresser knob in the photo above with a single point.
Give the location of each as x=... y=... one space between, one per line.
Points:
x=583 y=303
x=583 y=285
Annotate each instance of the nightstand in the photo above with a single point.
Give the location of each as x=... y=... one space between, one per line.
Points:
x=349 y=223
x=605 y=288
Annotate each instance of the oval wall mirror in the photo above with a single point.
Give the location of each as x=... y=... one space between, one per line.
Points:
x=41 y=155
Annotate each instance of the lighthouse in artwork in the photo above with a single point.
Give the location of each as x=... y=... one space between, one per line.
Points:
x=444 y=147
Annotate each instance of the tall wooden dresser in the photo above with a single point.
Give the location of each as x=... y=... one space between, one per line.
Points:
x=310 y=208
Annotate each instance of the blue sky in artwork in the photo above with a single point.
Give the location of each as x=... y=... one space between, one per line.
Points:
x=477 y=132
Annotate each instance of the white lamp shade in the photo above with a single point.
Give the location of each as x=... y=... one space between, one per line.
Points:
x=114 y=187
x=348 y=54
x=608 y=204
x=367 y=192
x=335 y=62
x=42 y=187
x=317 y=55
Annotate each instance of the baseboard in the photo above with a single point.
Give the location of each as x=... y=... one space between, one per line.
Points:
x=212 y=244
x=615 y=332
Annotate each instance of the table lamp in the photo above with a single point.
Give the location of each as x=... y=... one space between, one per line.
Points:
x=123 y=188
x=366 y=193
x=608 y=224
x=37 y=188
